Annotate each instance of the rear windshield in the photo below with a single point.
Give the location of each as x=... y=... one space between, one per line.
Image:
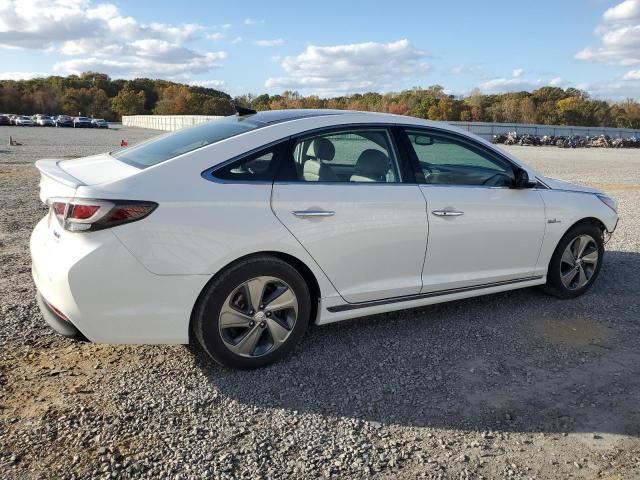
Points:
x=170 y=145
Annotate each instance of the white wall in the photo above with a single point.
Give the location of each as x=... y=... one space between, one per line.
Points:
x=484 y=129
x=488 y=130
x=165 y=122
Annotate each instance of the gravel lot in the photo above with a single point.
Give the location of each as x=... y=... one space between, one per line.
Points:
x=515 y=385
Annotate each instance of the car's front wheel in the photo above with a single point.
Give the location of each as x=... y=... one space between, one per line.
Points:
x=576 y=262
x=253 y=313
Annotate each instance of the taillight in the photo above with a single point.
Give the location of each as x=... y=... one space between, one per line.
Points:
x=59 y=208
x=89 y=215
x=82 y=212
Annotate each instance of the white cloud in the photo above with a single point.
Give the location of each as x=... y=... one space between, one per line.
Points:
x=629 y=9
x=215 y=36
x=350 y=68
x=208 y=83
x=612 y=90
x=278 y=42
x=21 y=75
x=253 y=21
x=226 y=26
x=236 y=40
x=619 y=35
x=517 y=83
x=151 y=66
x=103 y=38
x=513 y=84
x=632 y=75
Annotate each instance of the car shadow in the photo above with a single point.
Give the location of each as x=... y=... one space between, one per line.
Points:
x=517 y=361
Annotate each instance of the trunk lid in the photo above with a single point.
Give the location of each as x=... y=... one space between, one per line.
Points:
x=61 y=178
x=54 y=181
x=96 y=169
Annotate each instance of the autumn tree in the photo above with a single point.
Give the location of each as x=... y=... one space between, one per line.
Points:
x=128 y=102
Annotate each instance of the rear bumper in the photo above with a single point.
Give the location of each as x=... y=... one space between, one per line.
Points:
x=55 y=321
x=105 y=293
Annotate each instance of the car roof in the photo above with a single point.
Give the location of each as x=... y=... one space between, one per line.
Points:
x=269 y=117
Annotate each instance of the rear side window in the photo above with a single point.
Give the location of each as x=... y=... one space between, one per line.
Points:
x=259 y=166
x=170 y=145
x=347 y=156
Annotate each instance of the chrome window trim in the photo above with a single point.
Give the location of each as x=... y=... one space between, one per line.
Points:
x=207 y=174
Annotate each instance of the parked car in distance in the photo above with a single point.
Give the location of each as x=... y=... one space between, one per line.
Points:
x=24 y=121
x=45 y=121
x=81 y=122
x=63 y=121
x=243 y=231
x=99 y=123
x=13 y=119
x=4 y=120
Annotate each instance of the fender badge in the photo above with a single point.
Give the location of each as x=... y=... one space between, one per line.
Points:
x=554 y=220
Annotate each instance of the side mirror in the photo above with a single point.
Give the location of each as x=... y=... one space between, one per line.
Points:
x=423 y=140
x=521 y=179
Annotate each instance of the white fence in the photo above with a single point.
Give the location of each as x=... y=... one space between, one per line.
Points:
x=483 y=129
x=488 y=130
x=165 y=122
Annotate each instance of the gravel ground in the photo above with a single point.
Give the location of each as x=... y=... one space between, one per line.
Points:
x=515 y=385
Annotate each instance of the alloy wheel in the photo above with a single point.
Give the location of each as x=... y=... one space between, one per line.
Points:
x=579 y=262
x=258 y=316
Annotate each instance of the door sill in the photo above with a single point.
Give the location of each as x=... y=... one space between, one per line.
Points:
x=439 y=293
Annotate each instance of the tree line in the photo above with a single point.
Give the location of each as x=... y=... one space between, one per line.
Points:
x=95 y=94
x=546 y=105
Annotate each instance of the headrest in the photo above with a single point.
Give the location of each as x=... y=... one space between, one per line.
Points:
x=372 y=163
x=322 y=149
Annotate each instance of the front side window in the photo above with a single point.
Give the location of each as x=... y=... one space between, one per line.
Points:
x=170 y=145
x=349 y=156
x=446 y=160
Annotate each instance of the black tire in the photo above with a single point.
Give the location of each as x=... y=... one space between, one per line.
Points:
x=554 y=285
x=206 y=317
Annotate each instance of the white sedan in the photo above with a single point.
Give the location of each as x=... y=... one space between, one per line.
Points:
x=242 y=231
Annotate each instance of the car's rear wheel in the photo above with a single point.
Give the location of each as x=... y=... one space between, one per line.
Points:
x=576 y=262
x=253 y=313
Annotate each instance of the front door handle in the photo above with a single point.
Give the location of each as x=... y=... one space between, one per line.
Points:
x=313 y=213
x=447 y=213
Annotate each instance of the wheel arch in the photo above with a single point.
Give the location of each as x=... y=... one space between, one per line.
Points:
x=302 y=268
x=593 y=221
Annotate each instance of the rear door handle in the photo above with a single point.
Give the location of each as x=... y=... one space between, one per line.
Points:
x=447 y=213
x=313 y=213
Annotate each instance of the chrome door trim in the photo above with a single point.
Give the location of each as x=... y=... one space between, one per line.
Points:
x=447 y=213
x=313 y=213
x=408 y=298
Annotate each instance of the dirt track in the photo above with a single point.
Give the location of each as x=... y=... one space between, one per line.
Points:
x=514 y=385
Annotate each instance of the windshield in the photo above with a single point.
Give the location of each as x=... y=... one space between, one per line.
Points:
x=170 y=145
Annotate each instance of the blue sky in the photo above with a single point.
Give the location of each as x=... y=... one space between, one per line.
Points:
x=331 y=47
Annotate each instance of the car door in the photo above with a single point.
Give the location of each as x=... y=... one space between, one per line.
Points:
x=481 y=231
x=343 y=198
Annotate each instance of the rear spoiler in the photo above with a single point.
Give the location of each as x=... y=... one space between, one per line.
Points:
x=50 y=168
